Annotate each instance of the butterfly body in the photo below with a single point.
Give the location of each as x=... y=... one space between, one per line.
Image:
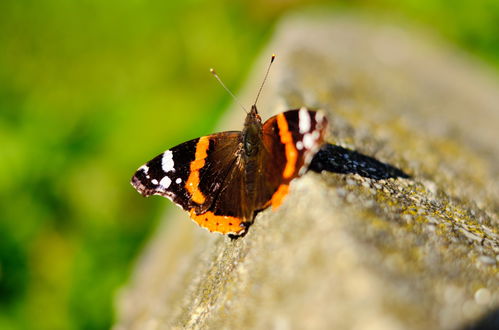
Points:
x=224 y=179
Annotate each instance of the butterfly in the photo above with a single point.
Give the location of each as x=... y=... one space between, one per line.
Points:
x=224 y=179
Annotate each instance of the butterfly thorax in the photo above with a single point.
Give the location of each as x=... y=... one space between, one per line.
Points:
x=252 y=134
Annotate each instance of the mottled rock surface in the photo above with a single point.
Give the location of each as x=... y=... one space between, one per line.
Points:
x=346 y=250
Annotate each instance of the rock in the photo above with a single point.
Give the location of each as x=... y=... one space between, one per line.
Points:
x=346 y=250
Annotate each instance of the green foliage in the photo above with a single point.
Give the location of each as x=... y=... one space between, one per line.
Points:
x=91 y=89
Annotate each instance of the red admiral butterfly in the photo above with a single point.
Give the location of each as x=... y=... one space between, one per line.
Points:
x=224 y=179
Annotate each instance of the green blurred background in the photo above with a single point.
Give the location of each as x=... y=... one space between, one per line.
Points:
x=91 y=89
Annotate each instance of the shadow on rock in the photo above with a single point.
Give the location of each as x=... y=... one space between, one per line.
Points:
x=337 y=159
x=486 y=322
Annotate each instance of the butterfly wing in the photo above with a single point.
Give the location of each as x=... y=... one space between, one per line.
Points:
x=194 y=175
x=290 y=141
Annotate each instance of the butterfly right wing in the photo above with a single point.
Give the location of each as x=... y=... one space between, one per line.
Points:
x=290 y=140
x=193 y=175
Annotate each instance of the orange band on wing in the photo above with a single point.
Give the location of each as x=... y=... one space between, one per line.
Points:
x=218 y=223
x=287 y=140
x=192 y=183
x=278 y=196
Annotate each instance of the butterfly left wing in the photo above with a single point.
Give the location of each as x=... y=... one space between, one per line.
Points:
x=193 y=175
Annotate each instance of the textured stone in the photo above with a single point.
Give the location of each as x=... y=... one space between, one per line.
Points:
x=348 y=250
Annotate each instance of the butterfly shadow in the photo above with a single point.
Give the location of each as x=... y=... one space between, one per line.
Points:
x=490 y=320
x=337 y=159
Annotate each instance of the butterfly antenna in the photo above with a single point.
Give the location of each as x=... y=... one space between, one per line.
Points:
x=228 y=90
x=265 y=78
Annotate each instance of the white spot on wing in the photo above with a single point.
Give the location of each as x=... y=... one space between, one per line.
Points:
x=154 y=181
x=165 y=182
x=299 y=145
x=304 y=120
x=167 y=162
x=308 y=141
x=144 y=168
x=178 y=180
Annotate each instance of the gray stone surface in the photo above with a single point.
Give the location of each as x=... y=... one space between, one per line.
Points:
x=345 y=251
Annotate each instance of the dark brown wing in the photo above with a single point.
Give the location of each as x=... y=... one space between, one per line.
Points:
x=290 y=140
x=194 y=175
